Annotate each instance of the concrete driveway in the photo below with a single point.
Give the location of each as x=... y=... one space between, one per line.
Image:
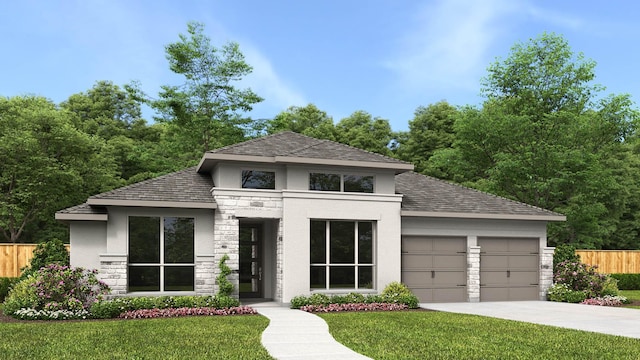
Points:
x=601 y=319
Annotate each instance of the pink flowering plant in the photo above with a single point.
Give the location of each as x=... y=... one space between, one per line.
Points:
x=579 y=276
x=607 y=300
x=186 y=311
x=354 y=307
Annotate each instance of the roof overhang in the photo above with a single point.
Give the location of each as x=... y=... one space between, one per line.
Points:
x=81 y=217
x=411 y=213
x=209 y=160
x=152 y=204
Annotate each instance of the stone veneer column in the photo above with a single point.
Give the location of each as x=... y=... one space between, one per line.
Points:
x=546 y=271
x=226 y=234
x=279 y=263
x=113 y=272
x=205 y=274
x=473 y=273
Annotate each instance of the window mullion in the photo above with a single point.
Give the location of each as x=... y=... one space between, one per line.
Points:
x=327 y=259
x=161 y=253
x=355 y=252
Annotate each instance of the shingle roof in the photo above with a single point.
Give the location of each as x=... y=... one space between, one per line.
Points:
x=292 y=144
x=182 y=186
x=84 y=209
x=427 y=194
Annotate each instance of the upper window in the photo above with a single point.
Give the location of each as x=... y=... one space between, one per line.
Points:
x=254 y=179
x=161 y=254
x=341 y=254
x=338 y=182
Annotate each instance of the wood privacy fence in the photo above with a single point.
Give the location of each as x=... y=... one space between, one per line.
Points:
x=612 y=261
x=14 y=257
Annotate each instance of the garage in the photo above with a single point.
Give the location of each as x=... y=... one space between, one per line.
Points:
x=509 y=269
x=434 y=268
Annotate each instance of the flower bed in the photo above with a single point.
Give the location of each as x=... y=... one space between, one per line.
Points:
x=354 y=307
x=176 y=312
x=607 y=300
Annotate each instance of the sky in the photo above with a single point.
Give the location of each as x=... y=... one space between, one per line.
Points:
x=385 y=57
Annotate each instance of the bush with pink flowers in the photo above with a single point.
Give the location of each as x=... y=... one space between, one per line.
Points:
x=606 y=300
x=354 y=307
x=176 y=312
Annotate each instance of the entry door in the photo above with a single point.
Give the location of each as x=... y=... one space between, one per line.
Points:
x=250 y=261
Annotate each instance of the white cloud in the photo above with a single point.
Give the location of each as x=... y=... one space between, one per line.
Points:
x=448 y=46
x=555 y=18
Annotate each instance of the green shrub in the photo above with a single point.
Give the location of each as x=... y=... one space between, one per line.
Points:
x=395 y=293
x=225 y=287
x=580 y=277
x=564 y=252
x=5 y=285
x=399 y=293
x=22 y=296
x=627 y=281
x=564 y=293
x=107 y=309
x=46 y=253
x=610 y=287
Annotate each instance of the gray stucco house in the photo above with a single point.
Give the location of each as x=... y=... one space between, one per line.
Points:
x=298 y=215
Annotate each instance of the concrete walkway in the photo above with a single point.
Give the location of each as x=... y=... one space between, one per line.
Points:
x=600 y=319
x=295 y=334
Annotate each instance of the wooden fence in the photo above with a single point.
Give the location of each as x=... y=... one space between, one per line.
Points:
x=612 y=261
x=14 y=257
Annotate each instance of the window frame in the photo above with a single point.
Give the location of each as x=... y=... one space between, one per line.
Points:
x=357 y=264
x=342 y=176
x=161 y=264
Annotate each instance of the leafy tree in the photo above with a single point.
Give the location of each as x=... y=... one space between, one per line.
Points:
x=49 y=252
x=45 y=164
x=203 y=113
x=545 y=137
x=363 y=131
x=307 y=120
x=430 y=129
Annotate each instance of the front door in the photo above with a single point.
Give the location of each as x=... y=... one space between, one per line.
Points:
x=250 y=261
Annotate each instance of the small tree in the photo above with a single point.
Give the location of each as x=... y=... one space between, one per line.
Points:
x=225 y=287
x=46 y=253
x=564 y=252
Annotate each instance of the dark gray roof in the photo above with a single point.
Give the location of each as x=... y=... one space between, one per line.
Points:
x=84 y=209
x=182 y=186
x=292 y=144
x=428 y=194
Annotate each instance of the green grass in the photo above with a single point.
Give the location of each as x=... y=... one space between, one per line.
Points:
x=633 y=295
x=213 y=337
x=439 y=335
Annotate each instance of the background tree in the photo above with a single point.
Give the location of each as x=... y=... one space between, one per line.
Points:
x=46 y=164
x=203 y=113
x=365 y=132
x=545 y=137
x=307 y=120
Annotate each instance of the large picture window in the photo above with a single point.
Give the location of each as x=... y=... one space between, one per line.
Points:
x=339 y=182
x=341 y=254
x=161 y=254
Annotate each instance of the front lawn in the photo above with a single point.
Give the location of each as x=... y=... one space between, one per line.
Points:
x=197 y=337
x=441 y=335
x=633 y=296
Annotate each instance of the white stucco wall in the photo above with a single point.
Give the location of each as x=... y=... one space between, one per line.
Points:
x=298 y=177
x=229 y=175
x=88 y=239
x=299 y=207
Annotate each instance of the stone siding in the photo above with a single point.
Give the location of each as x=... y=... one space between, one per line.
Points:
x=473 y=273
x=546 y=271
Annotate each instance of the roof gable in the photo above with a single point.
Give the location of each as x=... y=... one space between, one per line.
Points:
x=427 y=196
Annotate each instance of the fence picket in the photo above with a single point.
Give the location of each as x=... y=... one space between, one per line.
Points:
x=14 y=257
x=612 y=261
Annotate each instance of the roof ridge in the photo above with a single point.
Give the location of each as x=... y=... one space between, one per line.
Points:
x=367 y=151
x=483 y=192
x=140 y=183
x=260 y=138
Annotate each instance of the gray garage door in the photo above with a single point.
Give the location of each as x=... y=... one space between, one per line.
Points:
x=434 y=268
x=508 y=269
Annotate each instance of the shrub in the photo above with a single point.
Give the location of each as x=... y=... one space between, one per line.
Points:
x=627 y=281
x=225 y=287
x=32 y=314
x=564 y=293
x=610 y=287
x=46 y=253
x=580 y=277
x=394 y=293
x=22 y=296
x=354 y=307
x=399 y=293
x=175 y=312
x=564 y=252
x=5 y=285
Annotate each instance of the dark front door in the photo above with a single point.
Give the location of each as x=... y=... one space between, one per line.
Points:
x=250 y=261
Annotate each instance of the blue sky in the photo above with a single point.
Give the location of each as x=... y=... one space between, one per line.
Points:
x=384 y=57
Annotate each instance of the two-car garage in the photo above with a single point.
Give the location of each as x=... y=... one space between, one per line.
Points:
x=435 y=268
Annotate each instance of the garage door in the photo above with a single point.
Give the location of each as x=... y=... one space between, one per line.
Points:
x=508 y=269
x=434 y=268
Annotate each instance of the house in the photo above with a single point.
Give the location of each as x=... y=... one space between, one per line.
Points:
x=298 y=215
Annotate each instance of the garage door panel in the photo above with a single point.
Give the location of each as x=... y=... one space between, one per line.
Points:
x=450 y=245
x=528 y=261
x=410 y=245
x=524 y=245
x=447 y=278
x=494 y=293
x=456 y=261
x=416 y=279
x=523 y=293
x=457 y=294
x=488 y=261
x=523 y=277
x=493 y=277
x=418 y=261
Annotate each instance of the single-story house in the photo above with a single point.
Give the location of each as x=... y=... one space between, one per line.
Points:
x=298 y=215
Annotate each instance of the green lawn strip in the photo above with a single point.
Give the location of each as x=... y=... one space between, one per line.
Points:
x=440 y=335
x=633 y=295
x=197 y=337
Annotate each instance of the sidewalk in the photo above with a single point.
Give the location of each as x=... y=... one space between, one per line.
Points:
x=295 y=334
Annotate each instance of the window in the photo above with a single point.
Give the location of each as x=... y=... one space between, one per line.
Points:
x=253 y=179
x=341 y=254
x=337 y=182
x=161 y=254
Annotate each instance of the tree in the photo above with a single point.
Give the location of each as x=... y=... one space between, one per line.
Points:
x=542 y=137
x=45 y=164
x=307 y=120
x=203 y=113
x=363 y=131
x=430 y=129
